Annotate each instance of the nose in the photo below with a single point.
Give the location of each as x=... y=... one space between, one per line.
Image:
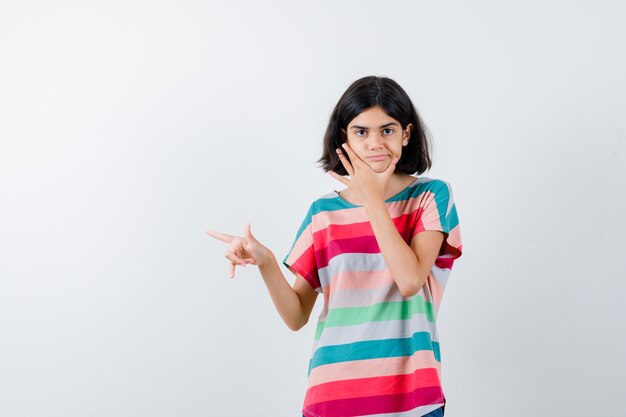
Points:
x=375 y=140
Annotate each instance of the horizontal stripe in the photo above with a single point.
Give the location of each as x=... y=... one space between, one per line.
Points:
x=372 y=387
x=349 y=227
x=328 y=226
x=373 y=367
x=349 y=262
x=360 y=245
x=373 y=349
x=362 y=297
x=379 y=404
x=374 y=331
x=361 y=279
x=393 y=310
x=336 y=215
x=378 y=290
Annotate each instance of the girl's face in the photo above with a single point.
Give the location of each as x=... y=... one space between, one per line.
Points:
x=376 y=137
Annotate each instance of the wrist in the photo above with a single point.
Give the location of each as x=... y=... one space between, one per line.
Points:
x=375 y=203
x=267 y=258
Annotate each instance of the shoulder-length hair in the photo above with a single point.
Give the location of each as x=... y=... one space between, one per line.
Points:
x=363 y=94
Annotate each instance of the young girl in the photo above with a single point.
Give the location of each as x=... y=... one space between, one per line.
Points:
x=380 y=252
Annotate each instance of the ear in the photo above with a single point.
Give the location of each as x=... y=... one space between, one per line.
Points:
x=406 y=134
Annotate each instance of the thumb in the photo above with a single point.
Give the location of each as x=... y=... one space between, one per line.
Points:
x=248 y=233
x=392 y=165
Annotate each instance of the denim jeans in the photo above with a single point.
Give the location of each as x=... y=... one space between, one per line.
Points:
x=436 y=413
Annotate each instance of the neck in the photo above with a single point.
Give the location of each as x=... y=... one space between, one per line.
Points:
x=397 y=183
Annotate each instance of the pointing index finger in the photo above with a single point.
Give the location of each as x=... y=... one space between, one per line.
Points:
x=221 y=236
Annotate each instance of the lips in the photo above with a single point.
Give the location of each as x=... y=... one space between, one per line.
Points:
x=377 y=157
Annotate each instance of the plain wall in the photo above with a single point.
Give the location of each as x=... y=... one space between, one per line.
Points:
x=129 y=128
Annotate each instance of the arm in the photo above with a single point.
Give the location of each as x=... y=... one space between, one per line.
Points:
x=294 y=305
x=409 y=266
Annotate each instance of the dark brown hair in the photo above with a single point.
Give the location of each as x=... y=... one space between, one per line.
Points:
x=363 y=94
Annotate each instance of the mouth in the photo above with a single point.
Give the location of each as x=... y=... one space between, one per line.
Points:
x=377 y=157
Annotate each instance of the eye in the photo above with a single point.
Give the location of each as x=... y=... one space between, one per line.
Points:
x=388 y=130
x=357 y=132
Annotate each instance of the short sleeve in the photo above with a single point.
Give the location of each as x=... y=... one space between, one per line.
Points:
x=437 y=211
x=301 y=256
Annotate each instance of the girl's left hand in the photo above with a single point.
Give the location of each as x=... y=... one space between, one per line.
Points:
x=366 y=183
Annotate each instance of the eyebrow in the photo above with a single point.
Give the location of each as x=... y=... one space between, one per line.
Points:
x=385 y=125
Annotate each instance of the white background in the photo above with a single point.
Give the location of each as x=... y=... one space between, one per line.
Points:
x=129 y=127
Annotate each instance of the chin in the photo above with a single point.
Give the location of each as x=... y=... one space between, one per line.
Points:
x=378 y=167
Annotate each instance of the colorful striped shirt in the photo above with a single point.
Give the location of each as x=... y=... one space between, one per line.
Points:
x=375 y=352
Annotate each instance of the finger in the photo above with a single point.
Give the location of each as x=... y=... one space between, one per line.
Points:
x=339 y=178
x=354 y=158
x=232 y=270
x=345 y=162
x=237 y=261
x=248 y=233
x=234 y=258
x=221 y=236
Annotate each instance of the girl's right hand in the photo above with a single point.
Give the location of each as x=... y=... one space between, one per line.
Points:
x=242 y=250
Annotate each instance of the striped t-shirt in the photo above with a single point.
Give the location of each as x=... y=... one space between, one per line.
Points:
x=375 y=352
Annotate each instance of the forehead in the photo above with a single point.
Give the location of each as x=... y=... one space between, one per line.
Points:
x=372 y=117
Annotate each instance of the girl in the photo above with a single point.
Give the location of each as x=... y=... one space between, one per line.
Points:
x=380 y=252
